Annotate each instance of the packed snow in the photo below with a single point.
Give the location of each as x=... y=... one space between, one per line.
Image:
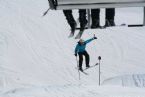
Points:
x=37 y=57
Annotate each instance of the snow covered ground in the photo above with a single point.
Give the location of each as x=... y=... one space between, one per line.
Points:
x=36 y=55
x=135 y=80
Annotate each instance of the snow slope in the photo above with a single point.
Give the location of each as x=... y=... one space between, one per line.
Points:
x=135 y=80
x=36 y=56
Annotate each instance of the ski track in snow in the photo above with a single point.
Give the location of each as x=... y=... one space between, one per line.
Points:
x=36 y=55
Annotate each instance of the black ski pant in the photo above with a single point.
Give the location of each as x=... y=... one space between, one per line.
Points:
x=82 y=18
x=95 y=14
x=69 y=17
x=87 y=58
x=110 y=13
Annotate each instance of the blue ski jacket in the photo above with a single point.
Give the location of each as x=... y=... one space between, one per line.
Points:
x=81 y=47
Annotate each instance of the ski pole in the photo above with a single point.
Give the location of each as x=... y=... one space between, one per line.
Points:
x=99 y=58
x=78 y=68
x=46 y=12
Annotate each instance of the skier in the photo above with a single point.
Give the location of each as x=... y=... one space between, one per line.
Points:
x=80 y=50
x=71 y=21
x=110 y=14
x=95 y=14
x=95 y=18
x=82 y=19
x=109 y=17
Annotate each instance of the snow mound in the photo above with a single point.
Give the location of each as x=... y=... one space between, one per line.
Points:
x=134 y=80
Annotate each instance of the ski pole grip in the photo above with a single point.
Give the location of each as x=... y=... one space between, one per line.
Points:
x=99 y=58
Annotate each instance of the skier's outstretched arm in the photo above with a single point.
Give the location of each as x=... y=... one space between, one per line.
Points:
x=89 y=40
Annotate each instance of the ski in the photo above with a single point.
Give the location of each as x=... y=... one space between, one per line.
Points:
x=121 y=25
x=71 y=35
x=136 y=25
x=79 y=35
x=104 y=27
x=46 y=12
x=91 y=66
x=100 y=27
x=72 y=31
x=86 y=69
x=82 y=71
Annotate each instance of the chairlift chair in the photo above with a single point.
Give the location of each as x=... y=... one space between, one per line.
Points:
x=92 y=4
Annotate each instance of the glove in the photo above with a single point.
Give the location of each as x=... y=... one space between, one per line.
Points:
x=75 y=54
x=95 y=37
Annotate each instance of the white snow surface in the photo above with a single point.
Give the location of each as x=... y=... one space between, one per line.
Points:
x=36 y=55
